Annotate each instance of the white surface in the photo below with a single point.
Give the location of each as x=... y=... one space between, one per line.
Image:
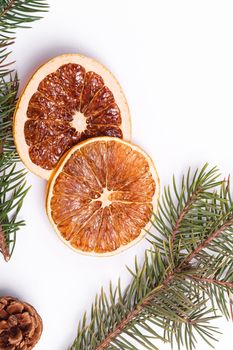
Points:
x=174 y=61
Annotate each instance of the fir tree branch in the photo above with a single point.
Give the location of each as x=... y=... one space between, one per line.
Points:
x=133 y=313
x=13 y=14
x=182 y=274
x=105 y=343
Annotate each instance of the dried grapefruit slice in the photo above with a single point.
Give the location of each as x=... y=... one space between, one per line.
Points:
x=69 y=99
x=102 y=196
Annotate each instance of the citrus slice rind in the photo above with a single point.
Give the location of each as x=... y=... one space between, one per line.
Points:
x=101 y=198
x=68 y=99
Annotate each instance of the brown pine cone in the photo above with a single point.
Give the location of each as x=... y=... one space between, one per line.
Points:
x=20 y=325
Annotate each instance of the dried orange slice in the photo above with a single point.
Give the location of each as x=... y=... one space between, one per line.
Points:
x=102 y=196
x=69 y=99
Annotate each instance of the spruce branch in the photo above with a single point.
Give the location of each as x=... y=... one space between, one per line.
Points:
x=13 y=14
x=186 y=276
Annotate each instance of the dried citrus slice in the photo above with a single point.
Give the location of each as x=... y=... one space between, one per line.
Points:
x=69 y=99
x=102 y=196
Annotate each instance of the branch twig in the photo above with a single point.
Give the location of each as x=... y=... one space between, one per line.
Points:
x=182 y=215
x=212 y=280
x=3 y=245
x=206 y=242
x=9 y=6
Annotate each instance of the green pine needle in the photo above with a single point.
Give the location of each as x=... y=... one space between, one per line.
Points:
x=186 y=279
x=13 y=14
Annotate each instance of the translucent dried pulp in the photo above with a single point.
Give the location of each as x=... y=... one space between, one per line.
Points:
x=101 y=198
x=69 y=99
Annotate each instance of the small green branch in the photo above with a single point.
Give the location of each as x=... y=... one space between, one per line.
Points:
x=182 y=214
x=13 y=15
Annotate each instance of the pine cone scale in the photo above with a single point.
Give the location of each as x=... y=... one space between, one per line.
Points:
x=3 y=326
x=15 y=336
x=15 y=308
x=3 y=315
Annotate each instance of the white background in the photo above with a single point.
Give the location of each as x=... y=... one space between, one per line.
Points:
x=174 y=60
